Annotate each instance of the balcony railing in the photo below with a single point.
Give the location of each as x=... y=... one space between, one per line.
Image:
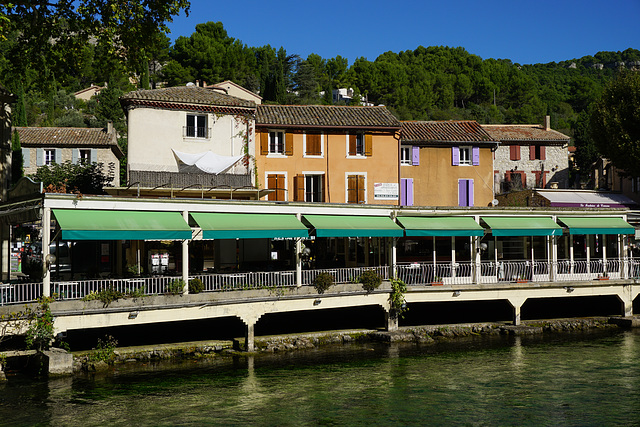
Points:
x=413 y=274
x=182 y=180
x=196 y=132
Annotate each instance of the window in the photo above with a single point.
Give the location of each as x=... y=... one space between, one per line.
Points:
x=84 y=156
x=465 y=156
x=313 y=144
x=49 y=156
x=359 y=144
x=514 y=180
x=313 y=188
x=196 y=126
x=406 y=191
x=405 y=156
x=277 y=182
x=465 y=192
x=356 y=189
x=537 y=152
x=276 y=142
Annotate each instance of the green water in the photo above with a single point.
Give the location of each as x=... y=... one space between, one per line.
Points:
x=569 y=379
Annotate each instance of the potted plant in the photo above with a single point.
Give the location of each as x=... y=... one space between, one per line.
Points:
x=437 y=281
x=521 y=279
x=604 y=276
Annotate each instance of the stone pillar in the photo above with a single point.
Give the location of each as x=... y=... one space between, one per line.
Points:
x=516 y=303
x=626 y=298
x=392 y=319
x=249 y=337
x=46 y=240
x=185 y=257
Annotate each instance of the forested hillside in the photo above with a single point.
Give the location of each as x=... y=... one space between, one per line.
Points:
x=427 y=83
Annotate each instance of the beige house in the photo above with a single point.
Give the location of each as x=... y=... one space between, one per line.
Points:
x=190 y=138
x=88 y=92
x=47 y=145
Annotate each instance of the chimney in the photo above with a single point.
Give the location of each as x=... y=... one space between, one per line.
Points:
x=547 y=122
x=109 y=127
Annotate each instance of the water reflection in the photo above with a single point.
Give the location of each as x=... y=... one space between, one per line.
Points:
x=570 y=379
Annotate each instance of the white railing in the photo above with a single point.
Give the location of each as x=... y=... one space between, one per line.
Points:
x=411 y=273
x=344 y=275
x=249 y=280
x=19 y=293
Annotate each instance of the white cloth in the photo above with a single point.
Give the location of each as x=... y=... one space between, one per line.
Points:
x=208 y=161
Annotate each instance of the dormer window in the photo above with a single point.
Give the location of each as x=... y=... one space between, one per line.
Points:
x=196 y=126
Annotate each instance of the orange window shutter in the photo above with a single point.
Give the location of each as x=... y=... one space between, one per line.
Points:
x=280 y=186
x=352 y=189
x=543 y=154
x=264 y=143
x=352 y=145
x=288 y=144
x=532 y=152
x=298 y=188
x=361 y=189
x=368 y=144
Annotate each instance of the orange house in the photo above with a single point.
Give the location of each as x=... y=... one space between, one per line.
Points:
x=327 y=153
x=446 y=163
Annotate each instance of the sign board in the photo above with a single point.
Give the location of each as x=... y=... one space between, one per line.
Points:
x=386 y=191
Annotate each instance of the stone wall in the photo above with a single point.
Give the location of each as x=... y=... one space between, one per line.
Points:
x=556 y=166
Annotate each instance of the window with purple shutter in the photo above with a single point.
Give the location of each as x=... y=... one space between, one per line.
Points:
x=475 y=156
x=406 y=192
x=455 y=156
x=415 y=155
x=465 y=192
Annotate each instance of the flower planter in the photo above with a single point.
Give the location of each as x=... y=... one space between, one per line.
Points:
x=522 y=281
x=602 y=278
x=437 y=283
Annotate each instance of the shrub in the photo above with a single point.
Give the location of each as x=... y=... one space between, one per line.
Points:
x=370 y=280
x=195 y=286
x=176 y=287
x=104 y=350
x=106 y=296
x=323 y=281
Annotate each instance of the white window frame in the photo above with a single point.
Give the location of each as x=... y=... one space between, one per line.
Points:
x=282 y=143
x=196 y=127
x=466 y=160
x=49 y=156
x=346 y=186
x=312 y=173
x=286 y=183
x=82 y=159
x=357 y=155
x=304 y=147
x=408 y=159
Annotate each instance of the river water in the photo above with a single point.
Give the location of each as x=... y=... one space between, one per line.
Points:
x=565 y=379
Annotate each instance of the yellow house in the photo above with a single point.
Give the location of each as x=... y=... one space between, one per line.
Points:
x=327 y=153
x=446 y=163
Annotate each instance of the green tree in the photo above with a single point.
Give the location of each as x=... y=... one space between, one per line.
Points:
x=69 y=178
x=615 y=124
x=108 y=108
x=17 y=167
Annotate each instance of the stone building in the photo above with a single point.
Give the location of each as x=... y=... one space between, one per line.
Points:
x=529 y=156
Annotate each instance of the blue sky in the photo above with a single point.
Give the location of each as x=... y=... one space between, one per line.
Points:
x=527 y=32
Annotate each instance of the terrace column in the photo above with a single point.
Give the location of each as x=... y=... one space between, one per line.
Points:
x=476 y=257
x=604 y=254
x=5 y=239
x=622 y=255
x=571 y=262
x=46 y=240
x=298 y=258
x=588 y=239
x=393 y=253
x=553 y=257
x=185 y=257
x=516 y=303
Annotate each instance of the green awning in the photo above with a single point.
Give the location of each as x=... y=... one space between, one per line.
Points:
x=353 y=226
x=440 y=226
x=597 y=225
x=522 y=226
x=121 y=225
x=248 y=226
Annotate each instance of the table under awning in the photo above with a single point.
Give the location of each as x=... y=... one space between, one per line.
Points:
x=522 y=226
x=353 y=226
x=121 y=225
x=440 y=226
x=249 y=226
x=597 y=225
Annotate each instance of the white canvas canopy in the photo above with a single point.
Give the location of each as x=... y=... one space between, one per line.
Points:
x=208 y=161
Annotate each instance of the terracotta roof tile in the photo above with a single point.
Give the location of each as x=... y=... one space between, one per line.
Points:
x=326 y=116
x=525 y=133
x=444 y=132
x=186 y=95
x=59 y=137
